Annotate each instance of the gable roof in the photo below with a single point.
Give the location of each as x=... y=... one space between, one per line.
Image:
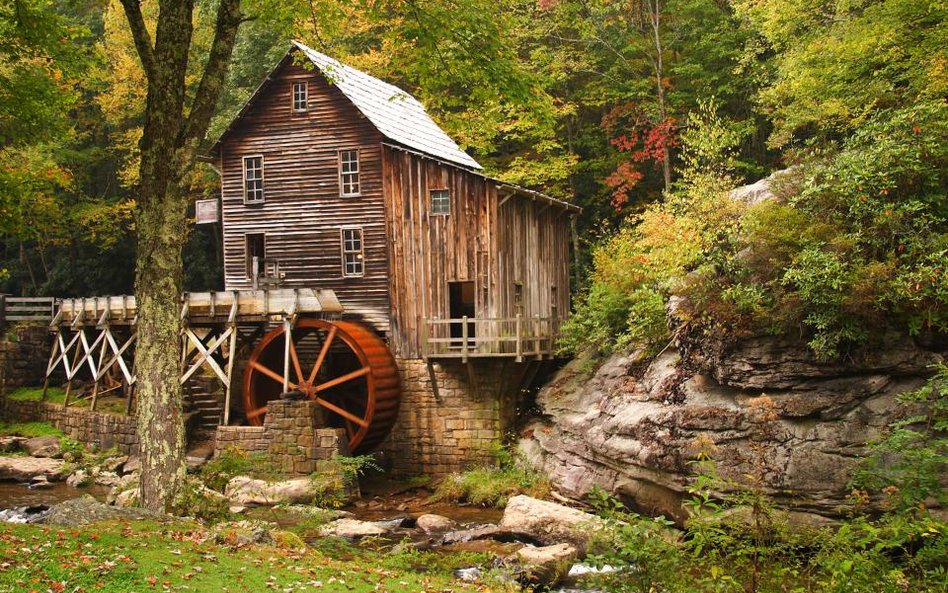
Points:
x=396 y=114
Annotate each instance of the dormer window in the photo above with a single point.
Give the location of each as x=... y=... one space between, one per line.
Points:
x=349 y=173
x=299 y=96
x=253 y=180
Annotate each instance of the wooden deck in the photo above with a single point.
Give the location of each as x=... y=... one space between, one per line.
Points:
x=517 y=337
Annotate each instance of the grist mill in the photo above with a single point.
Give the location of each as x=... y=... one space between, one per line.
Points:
x=369 y=266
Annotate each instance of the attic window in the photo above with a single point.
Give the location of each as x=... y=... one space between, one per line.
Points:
x=253 y=180
x=349 y=172
x=440 y=201
x=299 y=96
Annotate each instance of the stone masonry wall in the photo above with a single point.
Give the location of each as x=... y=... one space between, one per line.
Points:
x=24 y=352
x=292 y=436
x=93 y=428
x=456 y=426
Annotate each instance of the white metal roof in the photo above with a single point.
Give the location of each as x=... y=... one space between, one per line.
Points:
x=396 y=114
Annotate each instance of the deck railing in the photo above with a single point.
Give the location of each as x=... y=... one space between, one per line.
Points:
x=14 y=309
x=471 y=337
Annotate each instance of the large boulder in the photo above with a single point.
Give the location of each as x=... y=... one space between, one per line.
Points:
x=85 y=510
x=45 y=446
x=245 y=491
x=430 y=523
x=548 y=522
x=634 y=426
x=24 y=469
x=545 y=565
x=355 y=529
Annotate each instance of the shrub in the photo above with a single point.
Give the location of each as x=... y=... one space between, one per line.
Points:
x=493 y=485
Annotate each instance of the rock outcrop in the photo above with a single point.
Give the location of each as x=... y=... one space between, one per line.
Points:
x=634 y=426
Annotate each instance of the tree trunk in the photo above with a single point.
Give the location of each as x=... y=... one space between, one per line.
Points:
x=168 y=149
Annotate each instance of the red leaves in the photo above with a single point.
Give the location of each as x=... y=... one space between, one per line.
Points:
x=635 y=133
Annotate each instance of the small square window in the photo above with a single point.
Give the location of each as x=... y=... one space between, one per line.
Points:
x=253 y=179
x=299 y=96
x=353 y=264
x=440 y=201
x=349 y=172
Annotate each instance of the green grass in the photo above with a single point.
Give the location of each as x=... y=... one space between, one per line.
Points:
x=142 y=557
x=29 y=429
x=54 y=394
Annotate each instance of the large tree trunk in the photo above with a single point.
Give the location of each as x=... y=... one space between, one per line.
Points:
x=168 y=149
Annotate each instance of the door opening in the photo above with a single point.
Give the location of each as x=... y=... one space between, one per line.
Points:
x=461 y=301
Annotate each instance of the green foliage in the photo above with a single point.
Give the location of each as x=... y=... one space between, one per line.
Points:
x=639 y=267
x=910 y=463
x=493 y=485
x=53 y=394
x=230 y=463
x=648 y=550
x=333 y=480
x=195 y=500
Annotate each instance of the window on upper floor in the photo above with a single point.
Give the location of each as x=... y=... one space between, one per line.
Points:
x=353 y=256
x=300 y=92
x=440 y=201
x=253 y=179
x=349 y=173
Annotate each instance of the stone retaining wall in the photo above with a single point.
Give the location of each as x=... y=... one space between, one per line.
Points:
x=292 y=436
x=93 y=428
x=456 y=426
x=24 y=352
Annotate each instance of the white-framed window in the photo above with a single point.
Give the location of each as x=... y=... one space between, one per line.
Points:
x=349 y=173
x=300 y=92
x=253 y=179
x=353 y=253
x=440 y=201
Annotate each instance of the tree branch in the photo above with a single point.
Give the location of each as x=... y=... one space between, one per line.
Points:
x=212 y=81
x=136 y=22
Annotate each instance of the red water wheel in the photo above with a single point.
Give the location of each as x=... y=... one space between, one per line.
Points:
x=342 y=366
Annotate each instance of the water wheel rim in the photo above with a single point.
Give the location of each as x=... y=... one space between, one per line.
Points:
x=341 y=330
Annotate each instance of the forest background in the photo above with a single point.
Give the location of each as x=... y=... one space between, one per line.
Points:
x=632 y=109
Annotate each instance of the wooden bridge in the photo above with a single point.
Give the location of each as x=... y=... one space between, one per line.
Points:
x=94 y=336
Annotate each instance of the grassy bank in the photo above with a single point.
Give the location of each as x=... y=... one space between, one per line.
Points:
x=142 y=556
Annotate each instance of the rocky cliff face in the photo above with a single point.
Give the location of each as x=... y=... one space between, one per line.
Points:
x=633 y=426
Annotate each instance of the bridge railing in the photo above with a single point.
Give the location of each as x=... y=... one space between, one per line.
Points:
x=15 y=309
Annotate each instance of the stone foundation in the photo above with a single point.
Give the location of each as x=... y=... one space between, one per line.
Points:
x=24 y=353
x=92 y=428
x=292 y=436
x=457 y=424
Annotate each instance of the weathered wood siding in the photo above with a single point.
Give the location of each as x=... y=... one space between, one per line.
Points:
x=428 y=251
x=493 y=245
x=303 y=211
x=533 y=239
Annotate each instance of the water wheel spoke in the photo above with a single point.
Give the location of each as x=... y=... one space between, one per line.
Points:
x=257 y=412
x=295 y=358
x=322 y=354
x=267 y=371
x=341 y=411
x=344 y=378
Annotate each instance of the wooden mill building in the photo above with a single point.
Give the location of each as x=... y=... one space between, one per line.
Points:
x=371 y=268
x=346 y=183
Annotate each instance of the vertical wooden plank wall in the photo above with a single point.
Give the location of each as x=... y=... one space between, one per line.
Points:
x=493 y=245
x=429 y=250
x=303 y=210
